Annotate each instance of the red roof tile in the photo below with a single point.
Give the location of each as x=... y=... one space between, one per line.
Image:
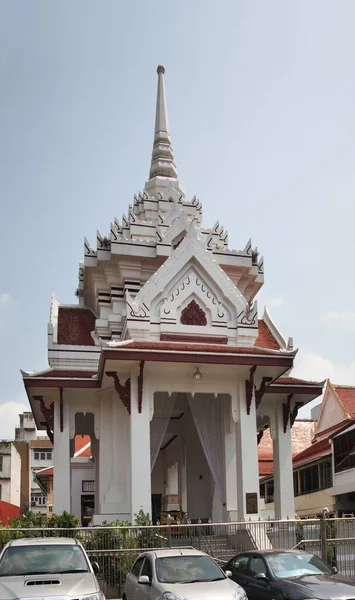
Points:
x=47 y=471
x=316 y=450
x=347 y=398
x=79 y=446
x=66 y=374
x=265 y=338
x=188 y=347
x=295 y=381
x=302 y=434
x=75 y=326
x=266 y=467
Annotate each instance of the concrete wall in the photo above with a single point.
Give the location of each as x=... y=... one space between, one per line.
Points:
x=5 y=452
x=309 y=505
x=82 y=469
x=344 y=478
x=22 y=448
x=5 y=490
x=15 y=482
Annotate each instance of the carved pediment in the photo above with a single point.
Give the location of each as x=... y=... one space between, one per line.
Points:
x=192 y=314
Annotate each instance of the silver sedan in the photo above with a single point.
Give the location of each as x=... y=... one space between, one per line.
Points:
x=177 y=574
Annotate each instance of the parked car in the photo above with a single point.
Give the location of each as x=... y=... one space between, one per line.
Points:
x=173 y=574
x=288 y=575
x=38 y=568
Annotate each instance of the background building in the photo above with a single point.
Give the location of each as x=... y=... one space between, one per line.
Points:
x=10 y=473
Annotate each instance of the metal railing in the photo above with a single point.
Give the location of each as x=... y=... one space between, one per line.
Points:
x=116 y=548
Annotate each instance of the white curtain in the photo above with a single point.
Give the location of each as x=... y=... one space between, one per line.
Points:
x=163 y=405
x=206 y=411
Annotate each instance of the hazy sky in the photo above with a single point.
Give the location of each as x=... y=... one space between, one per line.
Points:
x=261 y=98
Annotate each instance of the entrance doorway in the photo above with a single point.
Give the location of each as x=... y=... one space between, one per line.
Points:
x=87 y=508
x=156 y=507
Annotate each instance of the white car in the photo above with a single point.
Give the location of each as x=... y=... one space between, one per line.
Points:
x=42 y=568
x=179 y=574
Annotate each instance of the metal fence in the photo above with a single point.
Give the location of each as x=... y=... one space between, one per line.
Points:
x=116 y=548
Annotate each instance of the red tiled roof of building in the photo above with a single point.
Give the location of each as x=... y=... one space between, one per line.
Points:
x=314 y=451
x=265 y=338
x=82 y=449
x=75 y=326
x=193 y=347
x=47 y=471
x=347 y=398
x=295 y=381
x=302 y=433
x=66 y=374
x=266 y=467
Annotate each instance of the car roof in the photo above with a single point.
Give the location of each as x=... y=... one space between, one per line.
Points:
x=166 y=552
x=271 y=552
x=44 y=541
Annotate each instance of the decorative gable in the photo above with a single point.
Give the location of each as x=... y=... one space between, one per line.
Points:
x=191 y=294
x=332 y=412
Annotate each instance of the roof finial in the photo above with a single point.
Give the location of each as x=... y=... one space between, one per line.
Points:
x=162 y=164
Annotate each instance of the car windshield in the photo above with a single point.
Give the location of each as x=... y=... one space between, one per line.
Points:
x=187 y=569
x=43 y=559
x=297 y=565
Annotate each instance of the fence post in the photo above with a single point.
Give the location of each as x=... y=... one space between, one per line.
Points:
x=169 y=530
x=323 y=534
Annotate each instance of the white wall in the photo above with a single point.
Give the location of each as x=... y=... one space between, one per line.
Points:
x=345 y=478
x=15 y=482
x=82 y=469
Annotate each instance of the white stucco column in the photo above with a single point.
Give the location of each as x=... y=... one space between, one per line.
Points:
x=140 y=448
x=230 y=459
x=283 y=471
x=247 y=458
x=95 y=449
x=61 y=456
x=113 y=495
x=183 y=475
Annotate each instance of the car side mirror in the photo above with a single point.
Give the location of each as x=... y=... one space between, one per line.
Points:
x=261 y=576
x=144 y=580
x=228 y=573
x=95 y=568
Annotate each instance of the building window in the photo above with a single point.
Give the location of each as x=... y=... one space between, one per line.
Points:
x=49 y=455
x=1 y=462
x=88 y=486
x=325 y=475
x=295 y=484
x=309 y=479
x=43 y=456
x=36 y=455
x=344 y=451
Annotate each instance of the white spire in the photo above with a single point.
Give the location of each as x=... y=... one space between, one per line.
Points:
x=162 y=164
x=163 y=172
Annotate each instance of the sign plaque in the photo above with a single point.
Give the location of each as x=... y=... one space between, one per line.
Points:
x=251 y=503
